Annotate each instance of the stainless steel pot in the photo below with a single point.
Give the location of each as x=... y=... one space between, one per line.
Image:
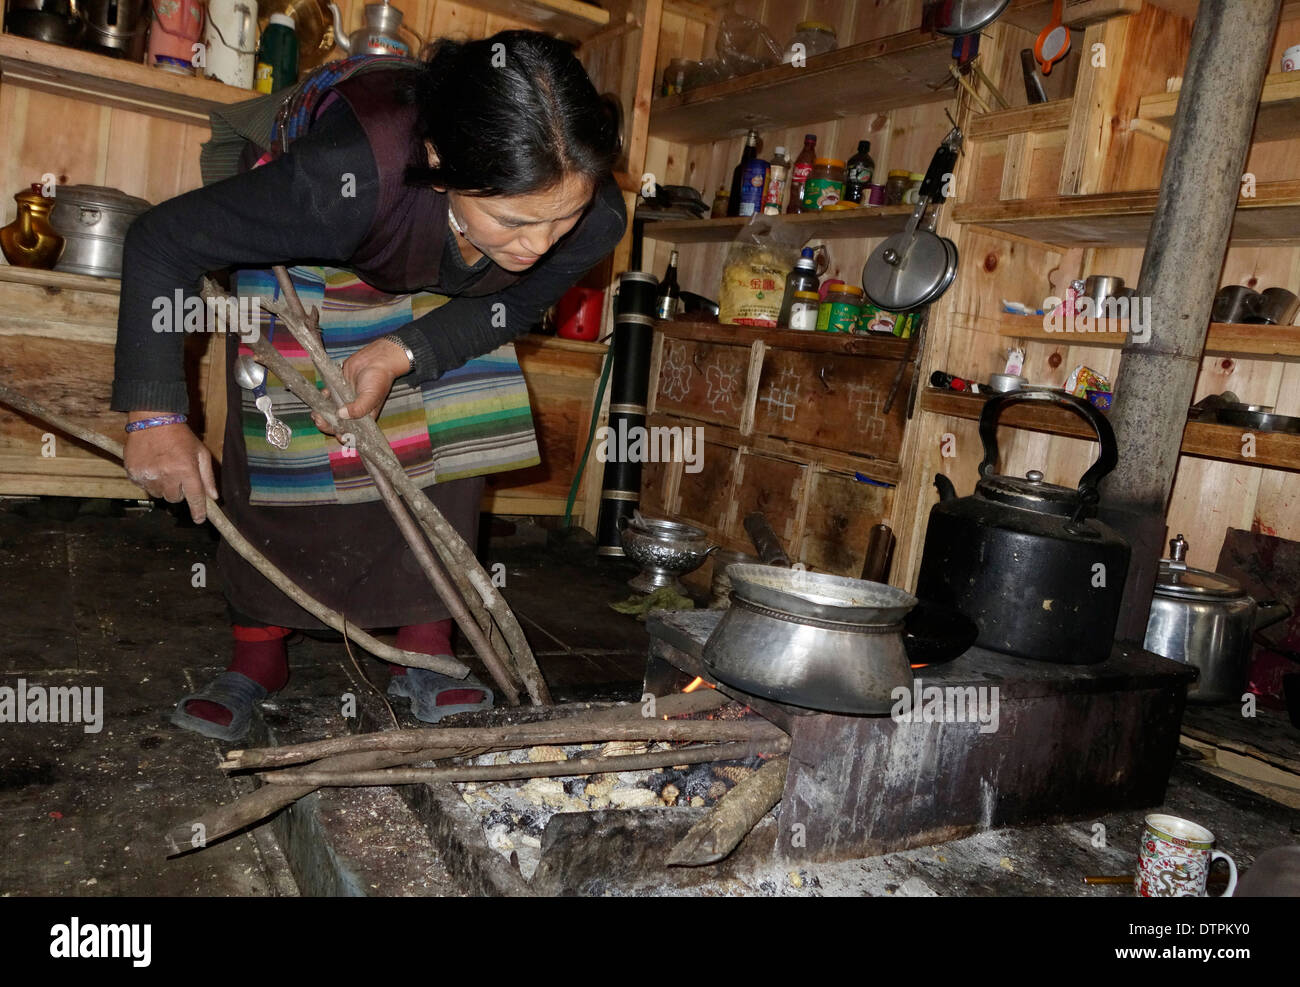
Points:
x=116 y=27
x=93 y=220
x=822 y=642
x=54 y=21
x=1207 y=620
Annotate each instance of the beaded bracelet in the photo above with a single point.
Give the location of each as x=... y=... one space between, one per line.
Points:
x=159 y=420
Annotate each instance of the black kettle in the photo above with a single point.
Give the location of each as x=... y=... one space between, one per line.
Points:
x=1028 y=561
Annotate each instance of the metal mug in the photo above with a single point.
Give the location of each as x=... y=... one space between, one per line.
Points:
x=1099 y=287
x=1274 y=307
x=1233 y=303
x=1174 y=859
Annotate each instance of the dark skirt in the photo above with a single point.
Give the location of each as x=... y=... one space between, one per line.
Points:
x=351 y=557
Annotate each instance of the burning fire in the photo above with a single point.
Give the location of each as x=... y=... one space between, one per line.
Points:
x=699 y=681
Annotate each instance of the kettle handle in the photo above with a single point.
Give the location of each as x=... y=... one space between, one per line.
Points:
x=1106 y=458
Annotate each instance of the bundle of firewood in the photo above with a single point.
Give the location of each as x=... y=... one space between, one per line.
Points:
x=424 y=756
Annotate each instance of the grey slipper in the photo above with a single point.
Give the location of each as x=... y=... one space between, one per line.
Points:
x=425 y=688
x=233 y=690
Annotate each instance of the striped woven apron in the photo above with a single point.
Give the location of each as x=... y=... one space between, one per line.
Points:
x=471 y=421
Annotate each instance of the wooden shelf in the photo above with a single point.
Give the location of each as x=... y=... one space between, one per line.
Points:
x=1117 y=219
x=873 y=77
x=867 y=222
x=1277 y=119
x=58 y=280
x=879 y=345
x=112 y=81
x=1039 y=118
x=570 y=19
x=1275 y=450
x=1225 y=339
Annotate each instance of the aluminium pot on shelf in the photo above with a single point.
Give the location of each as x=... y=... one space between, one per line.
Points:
x=93 y=220
x=1026 y=560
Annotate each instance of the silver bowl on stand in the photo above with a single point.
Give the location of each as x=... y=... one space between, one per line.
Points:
x=665 y=550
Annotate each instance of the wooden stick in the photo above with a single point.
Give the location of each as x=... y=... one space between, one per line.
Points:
x=225 y=820
x=570 y=731
x=543 y=769
x=445 y=665
x=306 y=392
x=717 y=834
x=216 y=824
x=456 y=555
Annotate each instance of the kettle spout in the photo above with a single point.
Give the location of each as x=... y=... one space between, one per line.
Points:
x=340 y=35
x=1269 y=612
x=944 y=485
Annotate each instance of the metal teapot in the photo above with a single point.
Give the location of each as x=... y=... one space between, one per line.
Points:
x=382 y=34
x=1028 y=561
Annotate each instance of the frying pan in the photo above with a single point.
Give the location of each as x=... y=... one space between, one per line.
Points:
x=968 y=16
x=1259 y=420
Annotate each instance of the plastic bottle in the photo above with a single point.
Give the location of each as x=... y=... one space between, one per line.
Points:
x=803 y=166
x=277 y=55
x=753 y=184
x=802 y=278
x=778 y=174
x=858 y=173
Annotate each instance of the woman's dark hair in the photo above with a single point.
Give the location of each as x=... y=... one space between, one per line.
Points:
x=509 y=115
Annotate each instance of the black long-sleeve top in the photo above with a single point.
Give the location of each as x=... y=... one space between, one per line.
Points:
x=295 y=210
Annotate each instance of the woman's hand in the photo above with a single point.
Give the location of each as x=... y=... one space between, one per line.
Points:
x=371 y=371
x=170 y=462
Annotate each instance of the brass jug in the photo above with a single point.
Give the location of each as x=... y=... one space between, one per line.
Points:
x=30 y=241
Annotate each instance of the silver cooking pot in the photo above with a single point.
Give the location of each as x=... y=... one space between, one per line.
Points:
x=1207 y=620
x=823 y=642
x=93 y=220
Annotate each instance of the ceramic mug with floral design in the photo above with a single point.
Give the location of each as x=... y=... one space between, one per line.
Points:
x=1174 y=859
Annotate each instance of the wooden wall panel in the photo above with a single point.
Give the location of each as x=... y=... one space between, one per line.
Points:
x=841 y=513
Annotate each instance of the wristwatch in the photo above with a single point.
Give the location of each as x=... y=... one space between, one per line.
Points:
x=410 y=357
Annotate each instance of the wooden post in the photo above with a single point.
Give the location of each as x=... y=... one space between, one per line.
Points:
x=1180 y=272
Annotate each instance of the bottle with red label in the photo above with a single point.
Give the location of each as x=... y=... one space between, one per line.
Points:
x=803 y=166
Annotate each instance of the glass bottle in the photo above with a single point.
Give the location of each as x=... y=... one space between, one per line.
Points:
x=738 y=175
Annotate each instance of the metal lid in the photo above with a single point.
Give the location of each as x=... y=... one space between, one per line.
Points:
x=820 y=596
x=906 y=270
x=1178 y=582
x=100 y=197
x=1030 y=493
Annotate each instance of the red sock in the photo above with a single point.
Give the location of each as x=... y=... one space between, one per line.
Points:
x=433 y=638
x=261 y=654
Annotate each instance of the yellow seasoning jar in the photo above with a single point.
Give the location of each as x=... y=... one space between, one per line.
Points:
x=825 y=186
x=841 y=309
x=803 y=312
